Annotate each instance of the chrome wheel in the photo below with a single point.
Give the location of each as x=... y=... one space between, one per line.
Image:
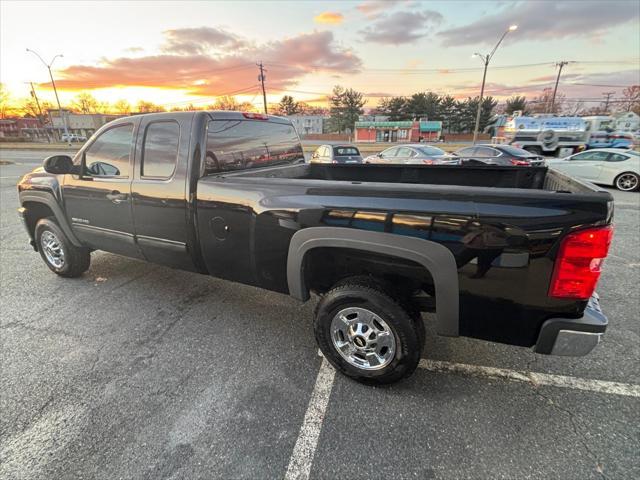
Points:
x=627 y=182
x=363 y=338
x=52 y=249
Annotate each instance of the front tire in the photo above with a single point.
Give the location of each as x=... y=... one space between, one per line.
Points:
x=366 y=334
x=61 y=256
x=627 y=182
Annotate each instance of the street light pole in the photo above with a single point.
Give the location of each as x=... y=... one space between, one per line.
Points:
x=55 y=91
x=486 y=59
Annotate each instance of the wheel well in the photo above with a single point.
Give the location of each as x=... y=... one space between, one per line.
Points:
x=326 y=266
x=36 y=211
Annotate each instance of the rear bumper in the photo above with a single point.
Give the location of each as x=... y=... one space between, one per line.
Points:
x=573 y=336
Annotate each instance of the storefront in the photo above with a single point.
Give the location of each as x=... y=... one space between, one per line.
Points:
x=397 y=132
x=386 y=132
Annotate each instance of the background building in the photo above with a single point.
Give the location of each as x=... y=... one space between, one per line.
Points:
x=21 y=127
x=398 y=131
x=80 y=123
x=308 y=124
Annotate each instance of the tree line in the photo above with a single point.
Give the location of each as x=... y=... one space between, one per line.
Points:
x=345 y=105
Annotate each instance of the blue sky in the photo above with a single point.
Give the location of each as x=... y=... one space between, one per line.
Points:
x=172 y=52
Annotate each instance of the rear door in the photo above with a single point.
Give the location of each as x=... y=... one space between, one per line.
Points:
x=98 y=201
x=158 y=190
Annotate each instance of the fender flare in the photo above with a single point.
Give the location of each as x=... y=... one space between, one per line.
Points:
x=436 y=258
x=48 y=200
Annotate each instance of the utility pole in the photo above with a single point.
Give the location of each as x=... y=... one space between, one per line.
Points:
x=55 y=91
x=606 y=102
x=560 y=66
x=261 y=79
x=35 y=97
x=486 y=59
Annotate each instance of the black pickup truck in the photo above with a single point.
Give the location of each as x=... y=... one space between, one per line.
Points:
x=500 y=253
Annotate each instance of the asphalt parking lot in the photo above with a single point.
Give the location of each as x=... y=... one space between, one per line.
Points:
x=139 y=371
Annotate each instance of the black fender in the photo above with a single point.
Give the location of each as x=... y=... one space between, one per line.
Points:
x=48 y=199
x=436 y=258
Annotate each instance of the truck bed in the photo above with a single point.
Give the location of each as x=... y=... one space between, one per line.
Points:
x=530 y=178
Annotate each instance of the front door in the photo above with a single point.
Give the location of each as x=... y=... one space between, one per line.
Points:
x=586 y=165
x=98 y=200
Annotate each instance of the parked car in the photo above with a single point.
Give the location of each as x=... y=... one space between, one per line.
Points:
x=606 y=166
x=378 y=245
x=73 y=137
x=336 y=154
x=411 y=154
x=499 y=155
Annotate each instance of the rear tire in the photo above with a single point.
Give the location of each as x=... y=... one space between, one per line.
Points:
x=366 y=334
x=61 y=256
x=627 y=182
x=534 y=150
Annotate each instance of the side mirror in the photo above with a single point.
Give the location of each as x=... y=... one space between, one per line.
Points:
x=380 y=155
x=58 y=164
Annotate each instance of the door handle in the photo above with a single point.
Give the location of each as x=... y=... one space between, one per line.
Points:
x=116 y=197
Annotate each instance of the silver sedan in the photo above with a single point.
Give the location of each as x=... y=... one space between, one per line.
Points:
x=412 y=154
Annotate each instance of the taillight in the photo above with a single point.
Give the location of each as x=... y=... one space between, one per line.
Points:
x=255 y=116
x=522 y=163
x=579 y=263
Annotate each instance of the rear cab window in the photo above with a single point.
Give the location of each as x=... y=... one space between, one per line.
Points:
x=243 y=144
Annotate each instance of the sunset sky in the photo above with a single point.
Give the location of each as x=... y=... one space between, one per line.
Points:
x=174 y=53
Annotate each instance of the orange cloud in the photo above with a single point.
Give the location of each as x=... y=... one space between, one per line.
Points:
x=230 y=70
x=332 y=18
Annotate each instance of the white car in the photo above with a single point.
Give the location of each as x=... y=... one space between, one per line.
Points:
x=605 y=166
x=73 y=137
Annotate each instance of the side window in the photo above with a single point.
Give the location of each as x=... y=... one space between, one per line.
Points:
x=404 y=152
x=325 y=152
x=242 y=144
x=581 y=156
x=616 y=157
x=160 y=150
x=591 y=156
x=466 y=152
x=483 y=152
x=494 y=152
x=108 y=155
x=390 y=152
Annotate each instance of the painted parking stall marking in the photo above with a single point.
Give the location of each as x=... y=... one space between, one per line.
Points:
x=533 y=378
x=305 y=447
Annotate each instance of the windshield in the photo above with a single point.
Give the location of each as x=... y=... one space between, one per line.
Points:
x=520 y=152
x=431 y=151
x=345 y=151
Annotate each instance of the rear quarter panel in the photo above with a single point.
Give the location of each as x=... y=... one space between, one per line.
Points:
x=503 y=240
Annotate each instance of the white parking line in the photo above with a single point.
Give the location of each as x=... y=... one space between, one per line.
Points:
x=305 y=448
x=599 y=386
x=307 y=442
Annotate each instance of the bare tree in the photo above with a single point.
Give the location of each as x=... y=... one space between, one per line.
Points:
x=631 y=96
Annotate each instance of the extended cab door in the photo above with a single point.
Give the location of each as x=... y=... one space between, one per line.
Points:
x=159 y=189
x=98 y=200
